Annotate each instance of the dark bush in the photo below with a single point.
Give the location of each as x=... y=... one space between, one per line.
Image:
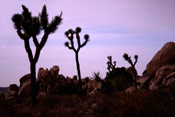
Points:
x=118 y=80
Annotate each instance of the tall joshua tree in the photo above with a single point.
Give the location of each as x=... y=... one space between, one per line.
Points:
x=29 y=27
x=70 y=35
x=128 y=58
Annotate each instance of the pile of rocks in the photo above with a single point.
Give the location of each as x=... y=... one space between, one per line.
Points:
x=12 y=91
x=160 y=71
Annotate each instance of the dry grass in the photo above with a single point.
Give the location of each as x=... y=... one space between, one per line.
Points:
x=141 y=103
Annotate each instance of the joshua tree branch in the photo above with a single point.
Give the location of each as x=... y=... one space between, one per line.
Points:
x=28 y=50
x=70 y=47
x=20 y=34
x=35 y=41
x=78 y=39
x=135 y=62
x=37 y=53
x=84 y=43
x=43 y=41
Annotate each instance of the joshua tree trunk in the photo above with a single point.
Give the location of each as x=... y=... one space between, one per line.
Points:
x=33 y=81
x=135 y=82
x=79 y=73
x=135 y=76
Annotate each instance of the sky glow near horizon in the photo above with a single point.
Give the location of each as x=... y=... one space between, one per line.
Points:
x=115 y=26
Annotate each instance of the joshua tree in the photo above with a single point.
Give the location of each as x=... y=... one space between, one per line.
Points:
x=70 y=35
x=29 y=27
x=111 y=65
x=128 y=58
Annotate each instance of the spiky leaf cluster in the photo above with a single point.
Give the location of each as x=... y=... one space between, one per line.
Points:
x=128 y=58
x=31 y=26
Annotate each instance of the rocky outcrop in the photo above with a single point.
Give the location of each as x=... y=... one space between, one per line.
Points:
x=165 y=76
x=144 y=81
x=12 y=91
x=24 y=79
x=48 y=79
x=54 y=71
x=163 y=57
x=51 y=82
x=25 y=85
x=45 y=79
x=25 y=89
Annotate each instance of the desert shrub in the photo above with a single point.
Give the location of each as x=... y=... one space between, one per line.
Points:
x=118 y=80
x=96 y=76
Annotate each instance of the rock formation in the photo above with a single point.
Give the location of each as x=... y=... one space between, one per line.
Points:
x=12 y=91
x=24 y=79
x=160 y=71
x=165 y=76
x=164 y=56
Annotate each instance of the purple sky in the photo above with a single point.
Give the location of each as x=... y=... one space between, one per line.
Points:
x=115 y=26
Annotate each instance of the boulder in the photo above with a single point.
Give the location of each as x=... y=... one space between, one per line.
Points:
x=54 y=70
x=43 y=74
x=12 y=91
x=25 y=90
x=13 y=87
x=40 y=73
x=165 y=76
x=130 y=89
x=164 y=56
x=24 y=79
x=143 y=81
x=41 y=95
x=11 y=94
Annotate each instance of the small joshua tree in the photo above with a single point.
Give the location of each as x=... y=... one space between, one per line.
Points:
x=128 y=58
x=29 y=27
x=111 y=65
x=70 y=35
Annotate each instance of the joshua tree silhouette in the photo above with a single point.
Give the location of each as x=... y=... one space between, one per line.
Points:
x=111 y=65
x=28 y=27
x=128 y=58
x=70 y=35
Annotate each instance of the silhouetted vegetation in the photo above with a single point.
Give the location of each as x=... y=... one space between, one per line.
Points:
x=28 y=27
x=140 y=103
x=96 y=76
x=117 y=79
x=128 y=58
x=70 y=35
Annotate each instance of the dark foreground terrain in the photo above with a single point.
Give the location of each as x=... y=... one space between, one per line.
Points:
x=4 y=89
x=140 y=103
